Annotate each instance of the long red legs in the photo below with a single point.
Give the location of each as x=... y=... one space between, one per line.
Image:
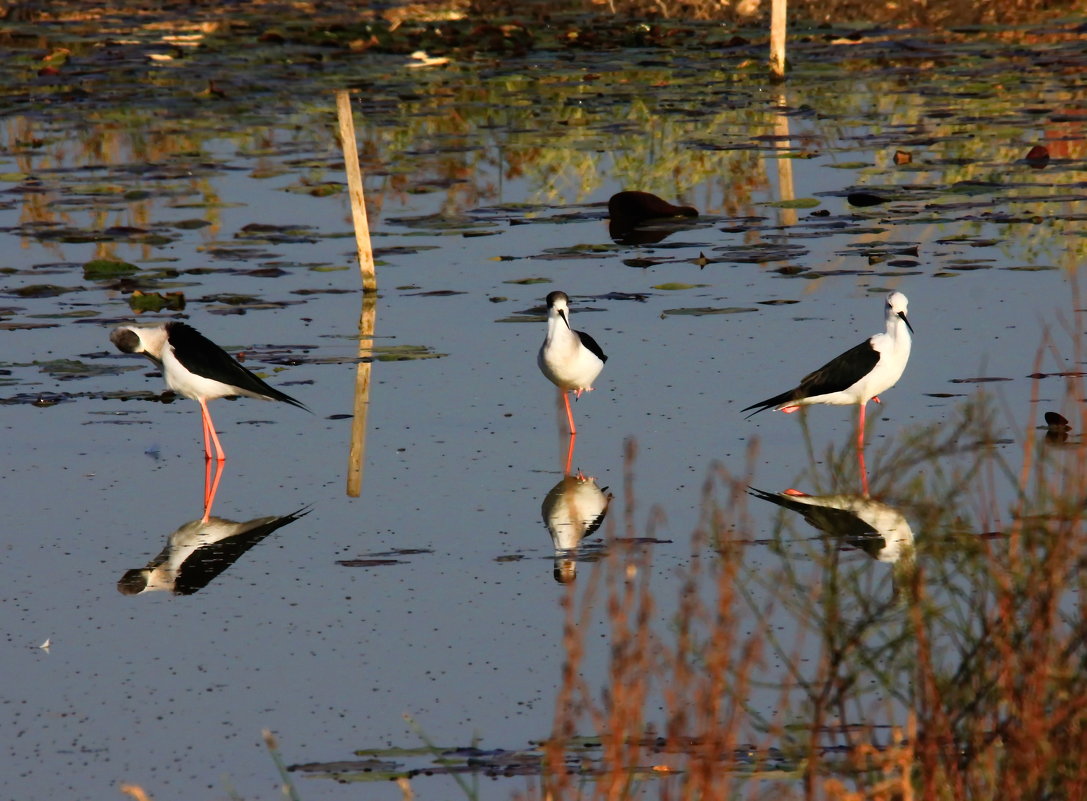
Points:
x=864 y=472
x=569 y=455
x=569 y=412
x=860 y=430
x=209 y=431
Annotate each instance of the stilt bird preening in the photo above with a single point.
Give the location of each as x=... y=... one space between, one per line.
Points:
x=197 y=368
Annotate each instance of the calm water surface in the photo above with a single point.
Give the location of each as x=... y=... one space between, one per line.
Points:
x=464 y=633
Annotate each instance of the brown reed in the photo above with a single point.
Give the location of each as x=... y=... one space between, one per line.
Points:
x=978 y=651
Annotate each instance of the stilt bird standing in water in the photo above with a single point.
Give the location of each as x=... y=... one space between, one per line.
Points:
x=197 y=368
x=856 y=376
x=570 y=359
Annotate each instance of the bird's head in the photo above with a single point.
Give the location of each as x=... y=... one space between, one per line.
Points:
x=558 y=304
x=133 y=339
x=896 y=304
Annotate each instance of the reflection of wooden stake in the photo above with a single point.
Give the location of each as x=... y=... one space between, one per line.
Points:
x=777 y=39
x=357 y=453
x=354 y=187
x=784 y=164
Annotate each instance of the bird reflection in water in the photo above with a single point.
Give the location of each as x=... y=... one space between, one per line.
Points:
x=572 y=510
x=880 y=530
x=198 y=552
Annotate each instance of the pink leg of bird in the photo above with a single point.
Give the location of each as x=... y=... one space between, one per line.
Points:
x=569 y=413
x=860 y=430
x=789 y=409
x=864 y=472
x=209 y=431
x=570 y=456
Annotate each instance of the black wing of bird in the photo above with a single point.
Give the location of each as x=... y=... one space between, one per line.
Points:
x=208 y=561
x=592 y=345
x=828 y=519
x=204 y=358
x=838 y=374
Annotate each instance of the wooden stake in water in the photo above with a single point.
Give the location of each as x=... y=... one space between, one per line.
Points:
x=777 y=39
x=354 y=188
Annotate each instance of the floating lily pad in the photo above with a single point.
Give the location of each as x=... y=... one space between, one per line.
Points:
x=404 y=353
x=700 y=311
x=154 y=301
x=68 y=369
x=41 y=291
x=796 y=203
x=104 y=269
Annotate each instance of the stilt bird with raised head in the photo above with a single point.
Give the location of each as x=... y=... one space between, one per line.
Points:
x=856 y=376
x=570 y=359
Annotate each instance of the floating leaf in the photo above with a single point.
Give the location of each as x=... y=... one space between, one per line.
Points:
x=704 y=310
x=41 y=291
x=404 y=353
x=674 y=286
x=796 y=203
x=154 y=301
x=104 y=269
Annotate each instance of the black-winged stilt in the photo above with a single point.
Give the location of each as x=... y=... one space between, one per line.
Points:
x=570 y=359
x=858 y=375
x=197 y=368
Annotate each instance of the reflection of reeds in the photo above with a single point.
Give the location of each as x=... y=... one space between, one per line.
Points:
x=964 y=678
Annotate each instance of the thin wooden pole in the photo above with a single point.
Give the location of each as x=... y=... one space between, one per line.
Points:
x=354 y=188
x=777 y=39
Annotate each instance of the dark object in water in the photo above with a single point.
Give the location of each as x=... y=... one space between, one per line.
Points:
x=1055 y=420
x=629 y=209
x=862 y=199
x=1038 y=156
x=1057 y=428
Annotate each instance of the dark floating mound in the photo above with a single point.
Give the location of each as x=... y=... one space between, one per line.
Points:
x=1055 y=420
x=636 y=207
x=629 y=209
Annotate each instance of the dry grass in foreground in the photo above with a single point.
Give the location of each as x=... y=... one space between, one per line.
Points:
x=955 y=673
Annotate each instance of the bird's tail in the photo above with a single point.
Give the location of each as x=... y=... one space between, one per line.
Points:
x=769 y=403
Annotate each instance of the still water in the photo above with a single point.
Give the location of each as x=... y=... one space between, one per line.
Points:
x=433 y=593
